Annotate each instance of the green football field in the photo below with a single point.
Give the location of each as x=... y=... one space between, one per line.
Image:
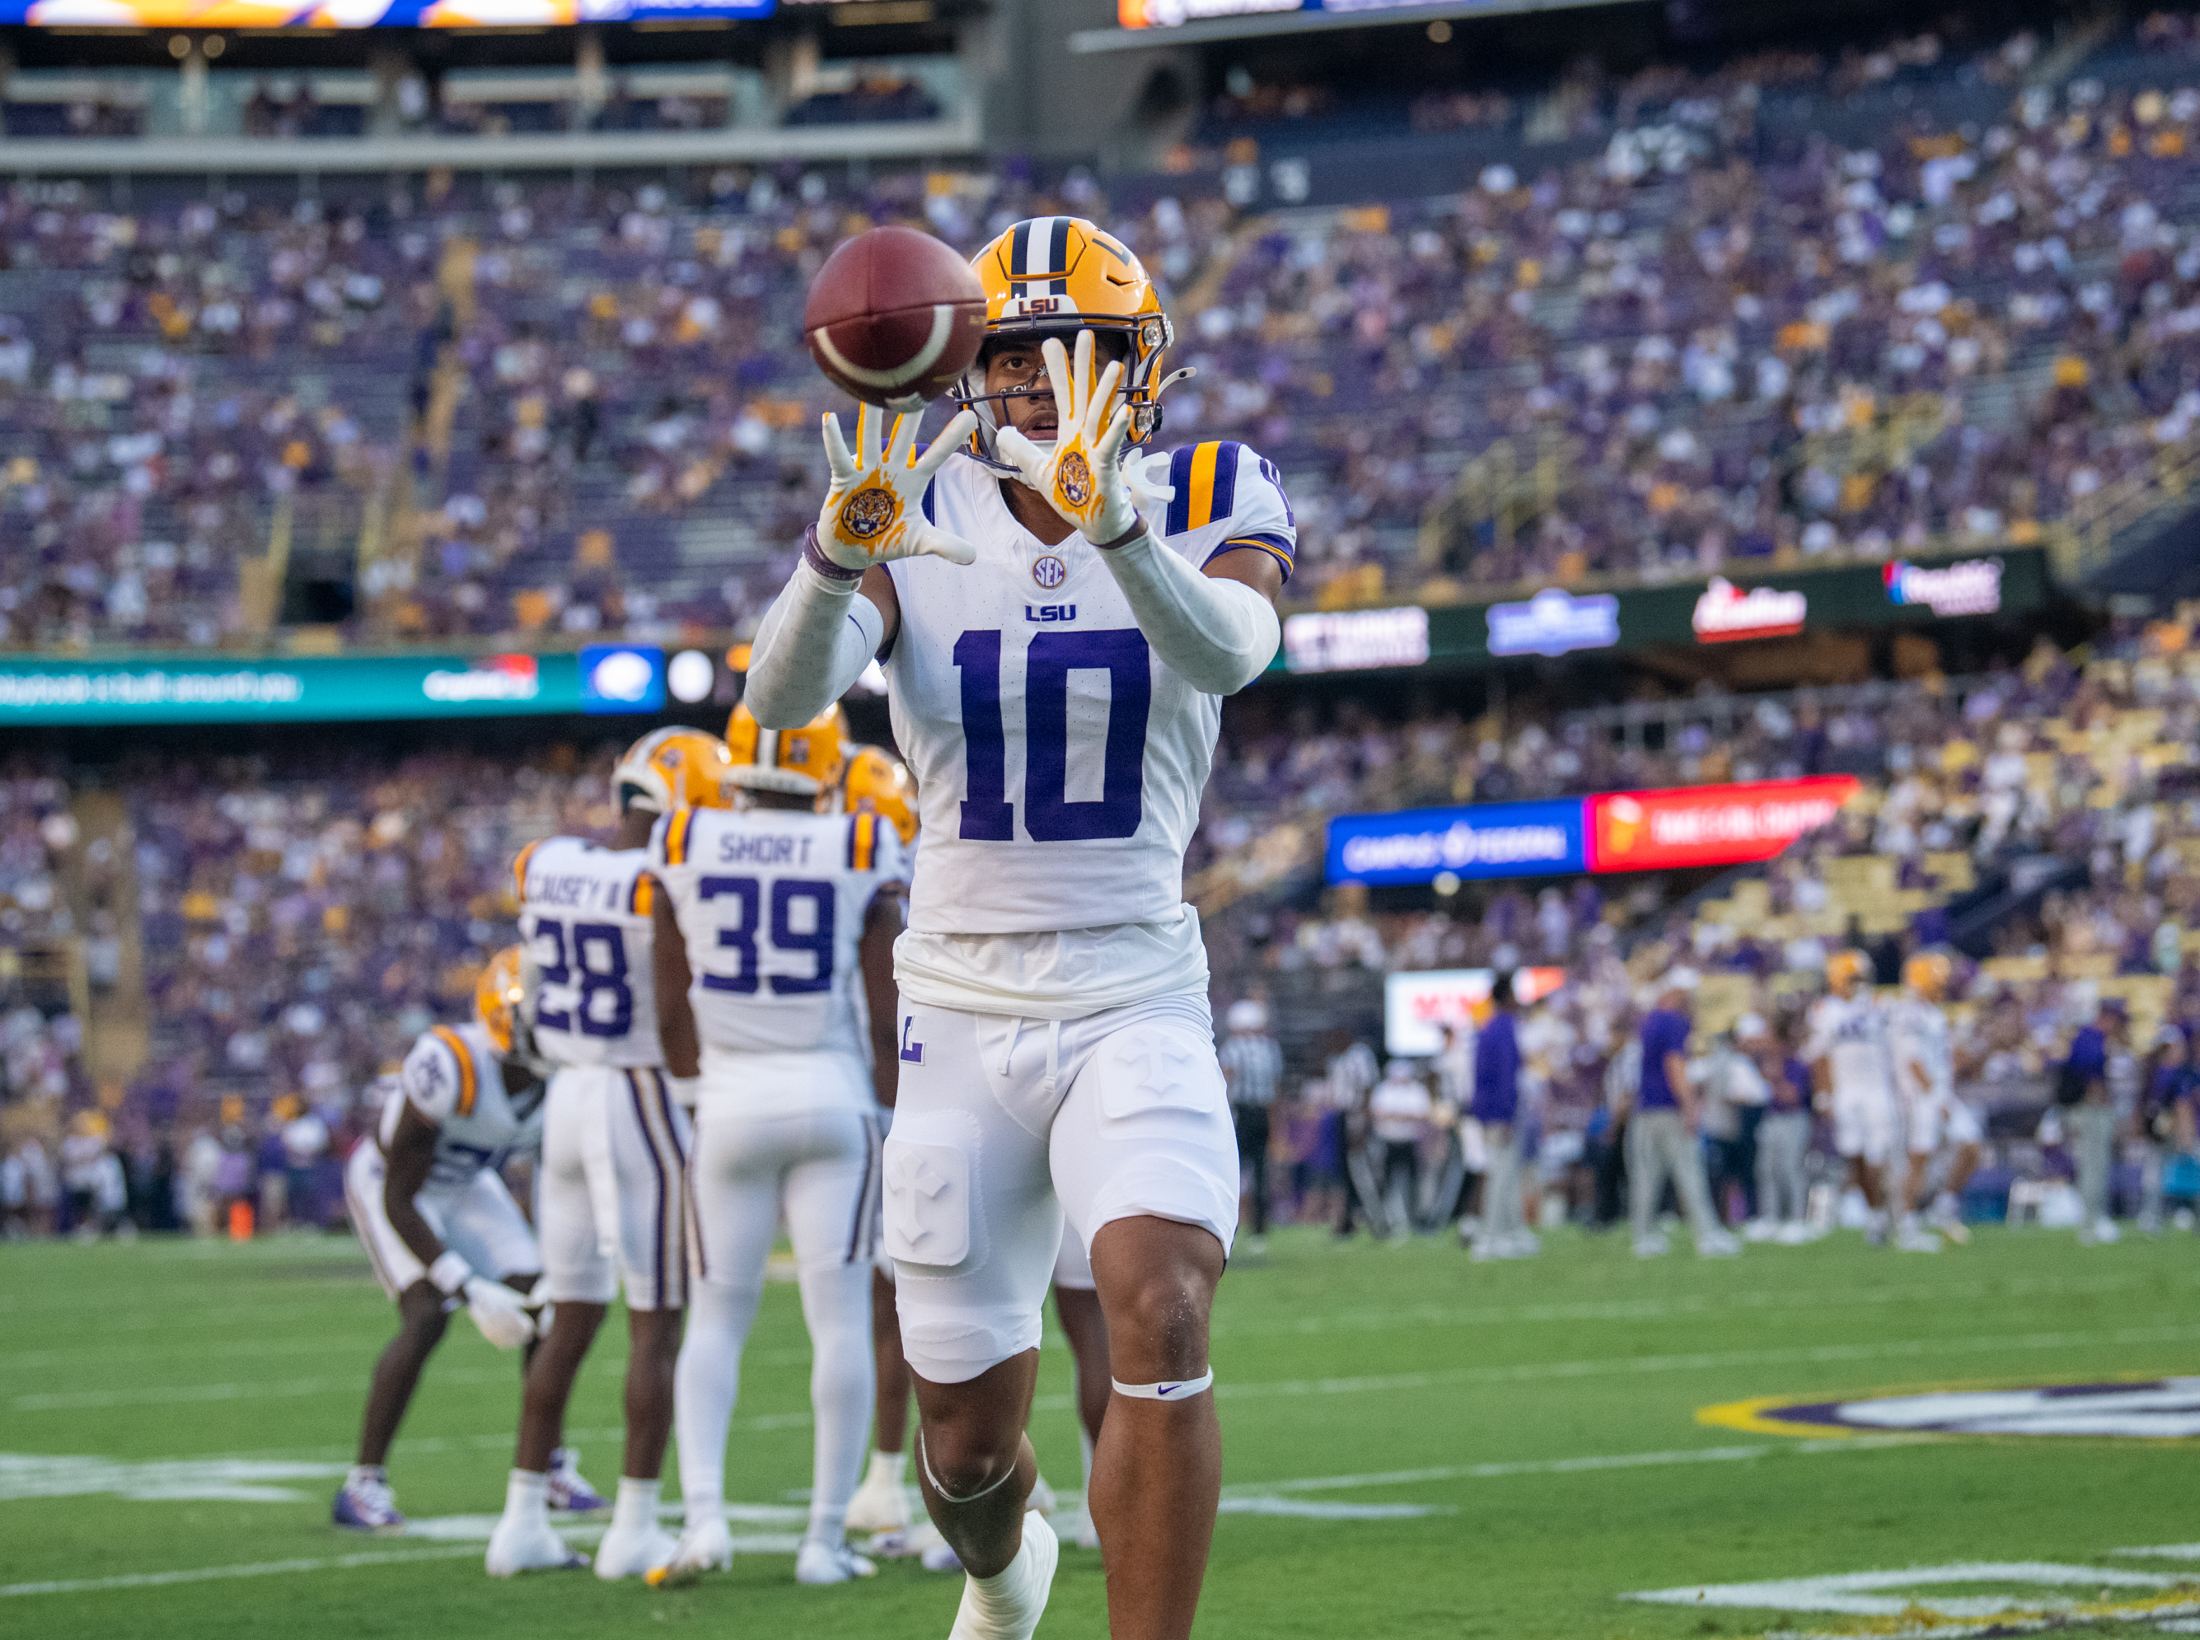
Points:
x=1416 y=1447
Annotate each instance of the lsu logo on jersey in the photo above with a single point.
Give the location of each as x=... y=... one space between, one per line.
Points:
x=1050 y=612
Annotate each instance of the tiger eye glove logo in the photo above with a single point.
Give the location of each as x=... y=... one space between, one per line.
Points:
x=869 y=513
x=1073 y=481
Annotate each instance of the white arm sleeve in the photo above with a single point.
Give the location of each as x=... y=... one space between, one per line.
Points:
x=815 y=641
x=1216 y=635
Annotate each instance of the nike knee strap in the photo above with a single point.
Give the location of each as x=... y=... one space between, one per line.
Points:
x=1176 y=1389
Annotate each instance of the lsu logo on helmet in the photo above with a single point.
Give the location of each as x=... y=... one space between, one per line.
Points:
x=806 y=761
x=671 y=769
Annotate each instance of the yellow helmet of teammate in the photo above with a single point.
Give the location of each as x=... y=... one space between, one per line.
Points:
x=1056 y=275
x=671 y=769
x=498 y=994
x=806 y=761
x=878 y=781
x=1927 y=974
x=1845 y=970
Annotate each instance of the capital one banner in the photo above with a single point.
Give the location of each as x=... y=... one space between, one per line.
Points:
x=1611 y=831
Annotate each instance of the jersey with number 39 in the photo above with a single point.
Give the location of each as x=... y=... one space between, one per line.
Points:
x=1059 y=764
x=584 y=917
x=771 y=904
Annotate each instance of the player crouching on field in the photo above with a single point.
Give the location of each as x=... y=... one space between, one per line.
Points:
x=429 y=1203
x=1057 y=662
x=774 y=916
x=611 y=1198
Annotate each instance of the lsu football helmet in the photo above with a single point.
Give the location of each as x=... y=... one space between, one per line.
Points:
x=1055 y=275
x=1845 y=970
x=805 y=761
x=877 y=781
x=499 y=995
x=1927 y=974
x=671 y=769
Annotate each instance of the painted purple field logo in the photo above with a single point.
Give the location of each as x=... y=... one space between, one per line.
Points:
x=2161 y=1409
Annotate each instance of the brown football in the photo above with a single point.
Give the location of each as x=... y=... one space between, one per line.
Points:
x=894 y=317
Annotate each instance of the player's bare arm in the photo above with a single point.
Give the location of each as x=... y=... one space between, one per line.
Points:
x=675 y=1018
x=410 y=1155
x=875 y=952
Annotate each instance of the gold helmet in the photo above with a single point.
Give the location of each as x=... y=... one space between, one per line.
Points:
x=1056 y=275
x=671 y=769
x=1845 y=968
x=877 y=781
x=498 y=994
x=1927 y=974
x=806 y=761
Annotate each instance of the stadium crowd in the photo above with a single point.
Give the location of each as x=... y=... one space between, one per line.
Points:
x=1778 y=351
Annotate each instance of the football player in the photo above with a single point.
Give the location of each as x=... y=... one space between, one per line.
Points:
x=1933 y=1117
x=1057 y=656
x=611 y=1190
x=1854 y=1065
x=428 y=1201
x=773 y=916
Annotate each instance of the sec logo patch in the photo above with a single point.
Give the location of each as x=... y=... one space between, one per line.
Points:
x=1050 y=572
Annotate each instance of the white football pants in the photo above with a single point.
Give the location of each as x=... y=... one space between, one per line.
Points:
x=816 y=1161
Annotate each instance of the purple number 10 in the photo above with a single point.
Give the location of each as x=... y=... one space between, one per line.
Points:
x=1049 y=815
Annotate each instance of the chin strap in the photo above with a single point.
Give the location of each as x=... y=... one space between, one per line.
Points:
x=1178 y=1389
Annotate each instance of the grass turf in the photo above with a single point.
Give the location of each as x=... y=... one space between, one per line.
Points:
x=1333 y=1362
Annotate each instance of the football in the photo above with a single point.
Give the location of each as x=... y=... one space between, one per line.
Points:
x=894 y=317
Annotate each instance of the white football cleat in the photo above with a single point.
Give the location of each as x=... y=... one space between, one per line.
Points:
x=1076 y=1528
x=1042 y=1496
x=624 y=1553
x=819 y=1562
x=880 y=1505
x=1009 y=1606
x=1719 y=1244
x=521 y=1545
x=706 y=1546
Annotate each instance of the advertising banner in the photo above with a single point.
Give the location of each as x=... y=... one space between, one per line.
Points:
x=1417 y=1007
x=347 y=14
x=1479 y=840
x=1709 y=825
x=316 y=688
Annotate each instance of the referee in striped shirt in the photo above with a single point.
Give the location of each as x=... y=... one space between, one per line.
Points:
x=1252 y=1068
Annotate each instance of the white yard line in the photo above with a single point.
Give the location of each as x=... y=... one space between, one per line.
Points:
x=215 y=1574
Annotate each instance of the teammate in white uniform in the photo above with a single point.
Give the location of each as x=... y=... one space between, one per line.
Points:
x=1848 y=1043
x=611 y=1195
x=773 y=916
x=1056 y=662
x=1932 y=1116
x=428 y=1201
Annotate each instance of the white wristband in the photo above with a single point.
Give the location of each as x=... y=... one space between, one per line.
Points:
x=449 y=1273
x=683 y=1089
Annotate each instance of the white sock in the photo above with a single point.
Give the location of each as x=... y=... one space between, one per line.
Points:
x=366 y=1472
x=836 y=1303
x=705 y=1385
x=635 y=1508
x=887 y=1469
x=527 y=1496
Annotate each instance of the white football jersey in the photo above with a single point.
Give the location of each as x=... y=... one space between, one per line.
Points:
x=771 y=903
x=1851 y=1032
x=1919 y=1030
x=1059 y=765
x=454 y=1078
x=584 y=917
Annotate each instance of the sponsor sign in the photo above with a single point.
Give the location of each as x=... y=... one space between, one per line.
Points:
x=2161 y=1409
x=1726 y=614
x=372 y=13
x=1417 y=1007
x=622 y=678
x=326 y=688
x=1478 y=840
x=1972 y=587
x=1356 y=640
x=1554 y=623
x=1708 y=825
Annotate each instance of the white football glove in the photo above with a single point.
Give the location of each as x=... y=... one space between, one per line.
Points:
x=1080 y=473
x=499 y=1312
x=874 y=512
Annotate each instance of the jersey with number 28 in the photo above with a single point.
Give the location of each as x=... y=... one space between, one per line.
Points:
x=771 y=904
x=1058 y=764
x=584 y=917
